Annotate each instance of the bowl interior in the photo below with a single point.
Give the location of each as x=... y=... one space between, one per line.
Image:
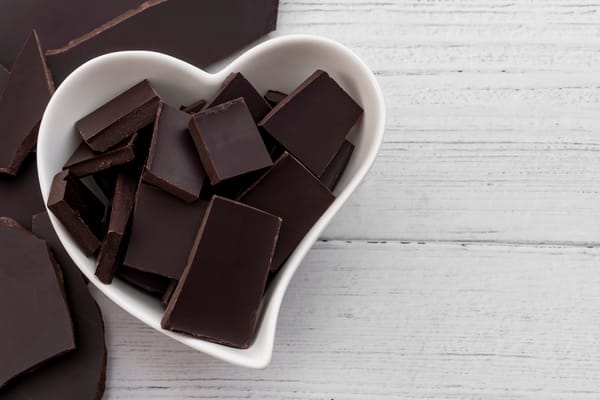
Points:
x=280 y=64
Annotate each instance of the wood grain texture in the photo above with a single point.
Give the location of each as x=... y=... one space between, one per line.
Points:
x=466 y=265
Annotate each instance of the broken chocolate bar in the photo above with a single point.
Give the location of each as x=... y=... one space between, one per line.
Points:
x=162 y=232
x=120 y=118
x=291 y=192
x=228 y=141
x=334 y=170
x=236 y=86
x=112 y=250
x=313 y=121
x=22 y=104
x=221 y=289
x=79 y=210
x=273 y=97
x=151 y=283
x=195 y=107
x=85 y=162
x=36 y=322
x=173 y=163
x=169 y=27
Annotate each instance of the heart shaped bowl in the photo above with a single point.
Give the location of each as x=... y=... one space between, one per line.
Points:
x=281 y=64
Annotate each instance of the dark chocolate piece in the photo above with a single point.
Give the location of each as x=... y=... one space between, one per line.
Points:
x=230 y=25
x=22 y=104
x=291 y=192
x=274 y=97
x=85 y=162
x=169 y=292
x=113 y=247
x=79 y=210
x=313 y=121
x=236 y=86
x=173 y=163
x=120 y=118
x=56 y=22
x=163 y=232
x=195 y=107
x=151 y=283
x=20 y=196
x=228 y=141
x=79 y=374
x=3 y=77
x=334 y=170
x=106 y=181
x=36 y=323
x=221 y=289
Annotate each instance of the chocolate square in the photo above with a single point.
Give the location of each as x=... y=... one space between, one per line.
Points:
x=86 y=162
x=333 y=173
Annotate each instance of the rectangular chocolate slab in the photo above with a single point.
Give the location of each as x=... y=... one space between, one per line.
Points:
x=228 y=141
x=119 y=118
x=173 y=163
x=291 y=192
x=22 y=104
x=86 y=162
x=79 y=210
x=274 y=97
x=313 y=121
x=221 y=289
x=334 y=170
x=162 y=232
x=150 y=283
x=175 y=27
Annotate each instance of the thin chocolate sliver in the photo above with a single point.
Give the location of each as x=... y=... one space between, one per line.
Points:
x=195 y=107
x=151 y=283
x=36 y=322
x=221 y=289
x=169 y=27
x=274 y=97
x=120 y=118
x=333 y=173
x=291 y=192
x=85 y=162
x=173 y=163
x=313 y=121
x=22 y=104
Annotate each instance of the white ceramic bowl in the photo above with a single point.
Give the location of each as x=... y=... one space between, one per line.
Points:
x=282 y=64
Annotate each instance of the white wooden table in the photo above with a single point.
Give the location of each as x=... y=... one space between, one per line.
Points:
x=467 y=265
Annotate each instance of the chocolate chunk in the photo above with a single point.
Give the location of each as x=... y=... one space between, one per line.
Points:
x=195 y=107
x=221 y=289
x=236 y=86
x=313 y=121
x=173 y=162
x=79 y=374
x=274 y=97
x=22 y=105
x=151 y=283
x=36 y=323
x=291 y=192
x=106 y=181
x=78 y=209
x=85 y=162
x=163 y=232
x=228 y=141
x=169 y=292
x=170 y=27
x=113 y=247
x=120 y=118
x=57 y=22
x=334 y=170
x=20 y=196
x=3 y=77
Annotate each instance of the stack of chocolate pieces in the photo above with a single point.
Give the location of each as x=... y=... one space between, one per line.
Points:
x=199 y=204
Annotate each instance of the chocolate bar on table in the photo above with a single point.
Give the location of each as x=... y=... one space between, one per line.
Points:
x=220 y=291
x=336 y=167
x=86 y=162
x=274 y=97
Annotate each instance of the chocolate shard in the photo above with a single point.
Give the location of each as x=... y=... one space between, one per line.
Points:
x=195 y=107
x=79 y=210
x=120 y=118
x=3 y=77
x=22 y=104
x=20 y=196
x=333 y=173
x=162 y=232
x=169 y=292
x=291 y=192
x=86 y=162
x=236 y=86
x=231 y=25
x=55 y=24
x=150 y=283
x=106 y=181
x=274 y=97
x=32 y=301
x=173 y=163
x=112 y=251
x=81 y=373
x=228 y=141
x=313 y=121
x=220 y=291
